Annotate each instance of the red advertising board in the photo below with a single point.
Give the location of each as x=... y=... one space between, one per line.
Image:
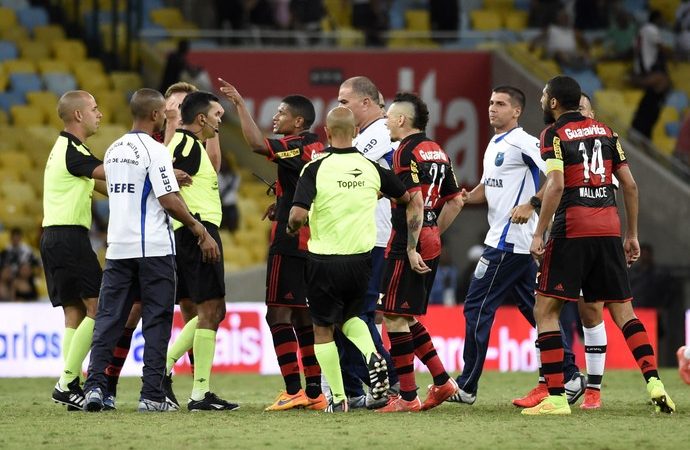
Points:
x=455 y=85
x=511 y=345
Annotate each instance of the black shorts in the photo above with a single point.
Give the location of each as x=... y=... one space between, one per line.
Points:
x=285 y=284
x=196 y=279
x=405 y=292
x=594 y=264
x=336 y=286
x=70 y=264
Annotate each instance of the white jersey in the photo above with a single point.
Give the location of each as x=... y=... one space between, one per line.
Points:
x=512 y=163
x=138 y=170
x=374 y=142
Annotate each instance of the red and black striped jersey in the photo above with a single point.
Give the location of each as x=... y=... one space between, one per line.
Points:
x=424 y=167
x=290 y=153
x=591 y=154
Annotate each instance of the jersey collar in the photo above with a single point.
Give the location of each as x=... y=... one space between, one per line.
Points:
x=71 y=137
x=342 y=150
x=500 y=138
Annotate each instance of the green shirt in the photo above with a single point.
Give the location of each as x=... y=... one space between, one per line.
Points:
x=67 y=183
x=202 y=197
x=340 y=190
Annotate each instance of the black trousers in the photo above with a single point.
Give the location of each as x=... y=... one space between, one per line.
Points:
x=153 y=280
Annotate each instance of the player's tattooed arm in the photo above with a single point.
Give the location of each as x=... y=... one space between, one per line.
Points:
x=415 y=213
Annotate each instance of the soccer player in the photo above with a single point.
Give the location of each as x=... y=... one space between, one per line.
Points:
x=338 y=193
x=200 y=282
x=287 y=314
x=73 y=273
x=414 y=251
x=581 y=156
x=510 y=187
x=374 y=142
x=140 y=257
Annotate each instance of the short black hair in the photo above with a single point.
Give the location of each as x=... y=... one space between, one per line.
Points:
x=654 y=15
x=421 y=111
x=301 y=106
x=515 y=94
x=196 y=103
x=566 y=90
x=144 y=101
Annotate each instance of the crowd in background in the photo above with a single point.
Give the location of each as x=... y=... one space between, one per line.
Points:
x=18 y=266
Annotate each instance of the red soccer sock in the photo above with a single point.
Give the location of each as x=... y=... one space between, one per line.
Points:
x=638 y=342
x=118 y=360
x=426 y=352
x=312 y=370
x=402 y=354
x=551 y=350
x=285 y=343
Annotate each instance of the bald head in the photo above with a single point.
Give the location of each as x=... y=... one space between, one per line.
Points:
x=340 y=123
x=144 y=102
x=70 y=102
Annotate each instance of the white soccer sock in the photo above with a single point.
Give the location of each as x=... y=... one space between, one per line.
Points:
x=595 y=354
x=542 y=379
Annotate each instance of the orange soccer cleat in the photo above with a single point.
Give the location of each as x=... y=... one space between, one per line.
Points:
x=592 y=399
x=286 y=401
x=533 y=397
x=398 y=404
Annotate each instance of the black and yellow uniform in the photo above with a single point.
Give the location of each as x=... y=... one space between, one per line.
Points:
x=285 y=269
x=340 y=190
x=197 y=280
x=71 y=266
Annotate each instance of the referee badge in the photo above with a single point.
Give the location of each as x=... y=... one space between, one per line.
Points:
x=499 y=159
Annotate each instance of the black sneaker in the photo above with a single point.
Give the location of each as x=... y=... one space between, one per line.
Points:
x=72 y=397
x=211 y=402
x=341 y=407
x=378 y=376
x=168 y=391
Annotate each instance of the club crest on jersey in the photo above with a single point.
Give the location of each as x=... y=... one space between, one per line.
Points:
x=500 y=157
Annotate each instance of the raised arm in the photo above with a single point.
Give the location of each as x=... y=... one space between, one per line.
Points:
x=250 y=130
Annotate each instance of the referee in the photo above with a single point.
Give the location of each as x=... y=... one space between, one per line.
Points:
x=338 y=193
x=73 y=273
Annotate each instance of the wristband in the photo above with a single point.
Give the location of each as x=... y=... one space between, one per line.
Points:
x=535 y=202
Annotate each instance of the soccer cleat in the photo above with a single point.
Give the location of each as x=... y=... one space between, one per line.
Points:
x=109 y=402
x=592 y=399
x=462 y=397
x=341 y=407
x=73 y=397
x=94 y=400
x=556 y=405
x=378 y=376
x=359 y=401
x=319 y=403
x=146 y=405
x=683 y=364
x=398 y=404
x=211 y=402
x=169 y=393
x=575 y=387
x=533 y=397
x=439 y=394
x=286 y=401
x=661 y=400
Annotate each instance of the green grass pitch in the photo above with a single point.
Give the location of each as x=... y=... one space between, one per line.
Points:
x=30 y=420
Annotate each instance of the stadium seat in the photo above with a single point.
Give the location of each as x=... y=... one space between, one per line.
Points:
x=25 y=82
x=8 y=50
x=70 y=50
x=95 y=82
x=32 y=17
x=27 y=115
x=417 y=20
x=49 y=33
x=16 y=160
x=45 y=100
x=16 y=34
x=52 y=66
x=632 y=97
x=499 y=5
x=19 y=191
x=8 y=18
x=34 y=50
x=126 y=81
x=515 y=20
x=167 y=17
x=677 y=99
x=19 y=66
x=672 y=129
x=10 y=98
x=613 y=73
x=4 y=81
x=485 y=20
x=59 y=83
